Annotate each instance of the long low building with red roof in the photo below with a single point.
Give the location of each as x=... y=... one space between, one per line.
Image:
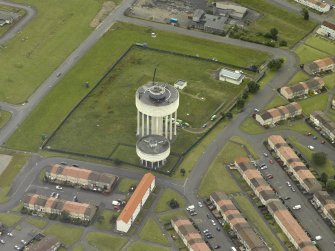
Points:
x=326 y=203
x=51 y=205
x=135 y=203
x=190 y=236
x=319 y=5
x=277 y=209
x=306 y=179
x=85 y=178
x=320 y=65
x=246 y=234
x=274 y=115
x=327 y=29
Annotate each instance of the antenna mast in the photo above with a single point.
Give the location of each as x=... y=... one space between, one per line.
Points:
x=153 y=78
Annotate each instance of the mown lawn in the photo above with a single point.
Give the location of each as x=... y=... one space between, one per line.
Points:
x=125 y=184
x=105 y=242
x=68 y=235
x=217 y=177
x=308 y=54
x=79 y=248
x=253 y=218
x=34 y=53
x=151 y=232
x=167 y=195
x=105 y=223
x=166 y=217
x=9 y=219
x=298 y=77
x=39 y=223
x=276 y=101
x=55 y=106
x=315 y=103
x=8 y=175
x=4 y=117
x=322 y=44
x=292 y=28
x=140 y=246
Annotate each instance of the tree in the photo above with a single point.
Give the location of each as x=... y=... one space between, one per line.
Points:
x=253 y=87
x=245 y=95
x=330 y=185
x=174 y=204
x=240 y=103
x=223 y=115
x=304 y=13
x=324 y=178
x=275 y=64
x=274 y=34
x=319 y=158
x=182 y=171
x=229 y=115
x=65 y=216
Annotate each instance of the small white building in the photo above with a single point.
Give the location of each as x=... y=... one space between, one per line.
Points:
x=180 y=84
x=327 y=29
x=135 y=203
x=234 y=77
x=318 y=5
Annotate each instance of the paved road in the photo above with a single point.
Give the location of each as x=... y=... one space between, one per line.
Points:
x=25 y=178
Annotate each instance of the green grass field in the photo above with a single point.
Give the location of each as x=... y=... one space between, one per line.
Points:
x=292 y=28
x=56 y=31
x=308 y=54
x=167 y=195
x=55 y=106
x=151 y=232
x=39 y=223
x=110 y=121
x=79 y=248
x=253 y=217
x=217 y=177
x=105 y=242
x=8 y=175
x=298 y=77
x=276 y=101
x=4 y=117
x=9 y=219
x=316 y=103
x=125 y=184
x=66 y=234
x=140 y=246
x=322 y=44
x=105 y=224
x=167 y=216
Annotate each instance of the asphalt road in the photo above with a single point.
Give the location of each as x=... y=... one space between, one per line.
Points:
x=27 y=177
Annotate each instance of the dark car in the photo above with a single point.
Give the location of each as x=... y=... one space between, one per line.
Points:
x=217 y=246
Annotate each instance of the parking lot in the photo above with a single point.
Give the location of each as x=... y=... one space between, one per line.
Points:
x=18 y=237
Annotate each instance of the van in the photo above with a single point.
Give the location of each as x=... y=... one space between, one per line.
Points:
x=296 y=207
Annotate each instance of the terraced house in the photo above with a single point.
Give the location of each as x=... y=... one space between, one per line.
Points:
x=51 y=205
x=135 y=203
x=255 y=180
x=246 y=234
x=282 y=216
x=274 y=115
x=302 y=88
x=320 y=65
x=306 y=179
x=327 y=126
x=190 y=236
x=326 y=204
x=80 y=177
x=318 y=5
x=327 y=29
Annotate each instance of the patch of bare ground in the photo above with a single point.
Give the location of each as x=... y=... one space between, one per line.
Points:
x=106 y=8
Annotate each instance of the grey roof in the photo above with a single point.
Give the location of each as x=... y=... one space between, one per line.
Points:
x=46 y=244
x=326 y=122
x=231 y=74
x=153 y=144
x=157 y=94
x=215 y=22
x=197 y=15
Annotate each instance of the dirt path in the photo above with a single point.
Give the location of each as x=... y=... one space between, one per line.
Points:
x=106 y=8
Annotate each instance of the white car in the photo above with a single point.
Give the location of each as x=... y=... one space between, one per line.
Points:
x=311 y=147
x=2 y=241
x=200 y=204
x=23 y=242
x=17 y=247
x=213 y=222
x=59 y=188
x=10 y=234
x=288 y=183
x=57 y=195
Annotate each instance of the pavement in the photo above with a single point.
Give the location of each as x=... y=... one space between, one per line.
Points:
x=27 y=178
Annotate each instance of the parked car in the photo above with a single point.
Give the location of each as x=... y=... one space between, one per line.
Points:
x=208 y=216
x=200 y=204
x=264 y=167
x=218 y=229
x=322 y=142
x=314 y=137
x=53 y=194
x=311 y=147
x=206 y=231
x=23 y=242
x=17 y=247
x=269 y=176
x=59 y=188
x=2 y=241
x=10 y=234
x=292 y=188
x=287 y=198
x=265 y=154
x=271 y=161
x=217 y=246
x=57 y=195
x=213 y=222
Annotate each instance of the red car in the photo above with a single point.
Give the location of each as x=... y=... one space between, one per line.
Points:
x=269 y=176
x=322 y=142
x=271 y=161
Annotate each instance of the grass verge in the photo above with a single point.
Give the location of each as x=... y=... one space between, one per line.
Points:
x=105 y=242
x=125 y=184
x=68 y=235
x=165 y=198
x=140 y=246
x=39 y=223
x=152 y=232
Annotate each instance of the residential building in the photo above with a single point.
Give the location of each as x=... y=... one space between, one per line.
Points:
x=234 y=77
x=306 y=179
x=318 y=5
x=246 y=234
x=51 y=205
x=189 y=235
x=135 y=203
x=214 y=24
x=234 y=11
x=274 y=115
x=290 y=226
x=327 y=29
x=302 y=88
x=327 y=126
x=320 y=65
x=282 y=216
x=327 y=205
x=255 y=180
x=85 y=178
x=48 y=243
